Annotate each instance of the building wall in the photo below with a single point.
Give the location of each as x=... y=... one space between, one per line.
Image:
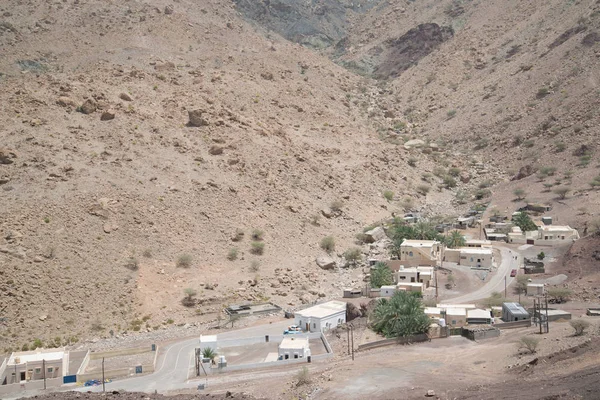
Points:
x=456 y=321
x=321 y=324
x=32 y=371
x=387 y=291
x=293 y=353
x=476 y=260
x=415 y=256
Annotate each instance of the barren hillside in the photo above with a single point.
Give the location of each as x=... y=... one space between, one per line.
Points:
x=107 y=184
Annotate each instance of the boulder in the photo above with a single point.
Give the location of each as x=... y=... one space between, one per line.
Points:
x=325 y=262
x=196 y=119
x=107 y=116
x=352 y=312
x=66 y=102
x=524 y=172
x=374 y=235
x=414 y=143
x=88 y=107
x=169 y=9
x=125 y=96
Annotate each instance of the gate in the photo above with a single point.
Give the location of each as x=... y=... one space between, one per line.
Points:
x=455 y=331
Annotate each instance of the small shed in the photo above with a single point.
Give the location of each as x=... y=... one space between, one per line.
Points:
x=387 y=291
x=547 y=220
x=513 y=312
x=293 y=347
x=535 y=289
x=456 y=317
x=479 y=317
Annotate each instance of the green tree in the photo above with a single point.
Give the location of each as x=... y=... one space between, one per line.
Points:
x=523 y=221
x=562 y=191
x=521 y=286
x=400 y=231
x=541 y=255
x=520 y=193
x=401 y=315
x=424 y=230
x=455 y=239
x=353 y=255
x=381 y=275
x=560 y=295
x=209 y=353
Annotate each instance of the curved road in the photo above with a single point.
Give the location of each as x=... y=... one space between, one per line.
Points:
x=496 y=283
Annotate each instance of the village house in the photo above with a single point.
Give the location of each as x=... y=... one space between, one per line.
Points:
x=420 y=252
x=422 y=275
x=544 y=235
x=416 y=287
x=478 y=257
x=456 y=317
x=479 y=317
x=321 y=317
x=387 y=291
x=34 y=365
x=513 y=312
x=293 y=347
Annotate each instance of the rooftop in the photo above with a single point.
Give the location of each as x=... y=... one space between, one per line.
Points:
x=415 y=284
x=515 y=308
x=294 y=343
x=556 y=228
x=419 y=243
x=433 y=310
x=323 y=310
x=36 y=355
x=456 y=311
x=475 y=250
x=478 y=241
x=535 y=285
x=456 y=306
x=478 y=313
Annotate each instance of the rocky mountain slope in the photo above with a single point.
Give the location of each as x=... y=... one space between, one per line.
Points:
x=140 y=139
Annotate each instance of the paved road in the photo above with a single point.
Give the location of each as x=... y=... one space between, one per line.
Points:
x=175 y=363
x=496 y=283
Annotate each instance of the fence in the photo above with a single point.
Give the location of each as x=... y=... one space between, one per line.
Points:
x=395 y=341
x=31 y=385
x=482 y=334
x=514 y=324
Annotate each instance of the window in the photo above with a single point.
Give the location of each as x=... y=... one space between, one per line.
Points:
x=315 y=325
x=50 y=370
x=38 y=370
x=410 y=253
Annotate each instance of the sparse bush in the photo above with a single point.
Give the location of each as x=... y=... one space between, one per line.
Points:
x=494 y=300
x=353 y=255
x=232 y=254
x=461 y=197
x=451 y=114
x=257 y=234
x=542 y=92
x=257 y=248
x=426 y=176
x=147 y=253
x=412 y=161
x=559 y=147
x=529 y=143
x=336 y=205
x=303 y=377
x=562 y=191
x=255 y=266
x=529 y=343
x=328 y=244
x=184 y=261
x=520 y=193
x=188 y=300
x=541 y=255
x=559 y=295
x=407 y=203
x=132 y=263
x=423 y=189
x=439 y=172
x=454 y=171
x=584 y=160
x=97 y=325
x=579 y=325
x=37 y=344
x=388 y=195
x=449 y=182
x=481 y=143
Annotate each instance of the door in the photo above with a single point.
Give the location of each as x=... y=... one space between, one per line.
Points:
x=530 y=241
x=307 y=327
x=22 y=375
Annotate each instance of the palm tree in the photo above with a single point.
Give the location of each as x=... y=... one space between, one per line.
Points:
x=455 y=239
x=209 y=353
x=401 y=315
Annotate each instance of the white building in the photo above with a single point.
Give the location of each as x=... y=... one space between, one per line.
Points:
x=478 y=243
x=535 y=289
x=321 y=317
x=478 y=316
x=478 y=257
x=35 y=365
x=387 y=291
x=410 y=287
x=422 y=275
x=545 y=235
x=293 y=347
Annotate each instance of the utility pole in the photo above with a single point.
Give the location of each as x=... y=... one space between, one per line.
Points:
x=103 y=380
x=352 y=334
x=44 y=372
x=547 y=321
x=348 y=332
x=504 y=286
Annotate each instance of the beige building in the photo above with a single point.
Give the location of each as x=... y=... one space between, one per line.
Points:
x=535 y=289
x=410 y=287
x=545 y=235
x=420 y=252
x=478 y=243
x=456 y=317
x=35 y=365
x=422 y=275
x=478 y=257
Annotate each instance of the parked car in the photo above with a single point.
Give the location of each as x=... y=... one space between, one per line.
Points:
x=292 y=329
x=513 y=273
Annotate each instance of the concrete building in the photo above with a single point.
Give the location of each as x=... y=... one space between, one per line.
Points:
x=478 y=243
x=321 y=317
x=422 y=275
x=545 y=235
x=535 y=289
x=456 y=317
x=416 y=287
x=513 y=312
x=35 y=365
x=479 y=317
x=433 y=312
x=477 y=257
x=387 y=291
x=293 y=347
x=465 y=306
x=420 y=252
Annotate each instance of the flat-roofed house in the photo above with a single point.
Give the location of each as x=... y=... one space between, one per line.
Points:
x=38 y=364
x=293 y=347
x=420 y=252
x=321 y=317
x=422 y=275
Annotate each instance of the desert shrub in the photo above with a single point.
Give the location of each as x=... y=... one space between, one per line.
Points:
x=37 y=343
x=562 y=191
x=232 y=254
x=184 y=261
x=426 y=176
x=449 y=182
x=423 y=189
x=254 y=266
x=328 y=244
x=579 y=325
x=451 y=114
x=584 y=160
x=595 y=182
x=132 y=263
x=97 y=325
x=520 y=193
x=388 y=195
x=439 y=172
x=353 y=255
x=314 y=219
x=303 y=377
x=529 y=343
x=412 y=161
x=188 y=300
x=336 y=205
x=257 y=247
x=461 y=197
x=454 y=171
x=481 y=143
x=541 y=255
x=482 y=193
x=559 y=147
x=257 y=234
x=407 y=203
x=147 y=253
x=560 y=295
x=529 y=143
x=542 y=92
x=485 y=184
